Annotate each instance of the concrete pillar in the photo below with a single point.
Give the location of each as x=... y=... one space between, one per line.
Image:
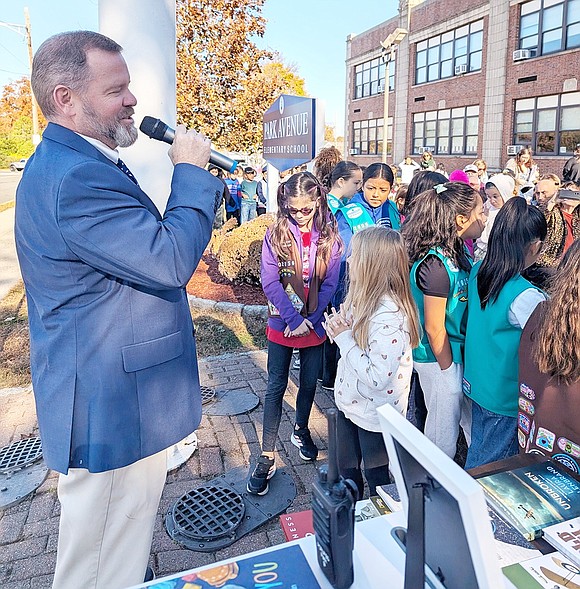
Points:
x=146 y=30
x=492 y=148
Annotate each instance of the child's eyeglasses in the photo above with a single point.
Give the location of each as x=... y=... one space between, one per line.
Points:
x=305 y=211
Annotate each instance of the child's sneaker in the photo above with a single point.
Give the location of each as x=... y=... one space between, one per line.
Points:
x=302 y=440
x=263 y=472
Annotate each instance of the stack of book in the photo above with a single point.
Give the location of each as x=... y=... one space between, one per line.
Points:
x=540 y=500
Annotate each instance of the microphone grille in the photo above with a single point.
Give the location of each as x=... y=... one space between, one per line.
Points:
x=153 y=128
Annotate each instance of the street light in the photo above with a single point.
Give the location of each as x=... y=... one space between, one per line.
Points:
x=389 y=48
x=24 y=30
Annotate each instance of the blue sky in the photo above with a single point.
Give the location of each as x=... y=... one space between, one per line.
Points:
x=310 y=34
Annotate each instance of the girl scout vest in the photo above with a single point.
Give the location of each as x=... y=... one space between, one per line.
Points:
x=454 y=309
x=358 y=217
x=491 y=349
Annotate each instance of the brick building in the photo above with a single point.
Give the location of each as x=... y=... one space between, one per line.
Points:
x=467 y=80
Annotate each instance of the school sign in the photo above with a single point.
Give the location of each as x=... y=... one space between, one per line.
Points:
x=290 y=132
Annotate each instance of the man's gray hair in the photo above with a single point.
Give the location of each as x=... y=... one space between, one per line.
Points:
x=62 y=60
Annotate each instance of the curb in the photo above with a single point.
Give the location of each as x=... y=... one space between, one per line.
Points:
x=237 y=308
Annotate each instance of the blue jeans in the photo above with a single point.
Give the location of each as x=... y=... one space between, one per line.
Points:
x=493 y=437
x=247 y=210
x=279 y=358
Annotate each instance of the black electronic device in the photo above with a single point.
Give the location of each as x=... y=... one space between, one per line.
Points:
x=333 y=500
x=157 y=129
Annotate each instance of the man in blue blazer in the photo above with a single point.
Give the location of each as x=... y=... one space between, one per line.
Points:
x=113 y=353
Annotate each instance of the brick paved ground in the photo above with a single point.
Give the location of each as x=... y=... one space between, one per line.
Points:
x=29 y=530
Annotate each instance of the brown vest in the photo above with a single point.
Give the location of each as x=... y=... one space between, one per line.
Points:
x=549 y=411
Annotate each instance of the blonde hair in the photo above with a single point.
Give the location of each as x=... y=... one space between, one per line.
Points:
x=556 y=346
x=378 y=267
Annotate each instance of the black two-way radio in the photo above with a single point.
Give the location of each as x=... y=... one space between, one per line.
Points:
x=333 y=500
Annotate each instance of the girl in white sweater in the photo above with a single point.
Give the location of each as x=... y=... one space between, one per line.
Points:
x=376 y=328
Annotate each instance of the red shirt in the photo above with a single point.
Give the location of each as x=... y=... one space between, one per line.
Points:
x=312 y=339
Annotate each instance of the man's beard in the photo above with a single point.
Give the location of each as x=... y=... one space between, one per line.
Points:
x=121 y=135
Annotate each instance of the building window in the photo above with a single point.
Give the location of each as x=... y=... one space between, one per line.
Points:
x=550 y=124
x=548 y=26
x=367 y=137
x=438 y=56
x=369 y=77
x=450 y=131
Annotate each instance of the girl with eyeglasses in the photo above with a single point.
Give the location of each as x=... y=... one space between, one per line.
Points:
x=299 y=272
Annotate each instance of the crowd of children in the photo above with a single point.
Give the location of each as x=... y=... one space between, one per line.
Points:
x=421 y=294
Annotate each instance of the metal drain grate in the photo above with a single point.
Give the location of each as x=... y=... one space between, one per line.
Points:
x=207 y=513
x=20 y=454
x=207 y=394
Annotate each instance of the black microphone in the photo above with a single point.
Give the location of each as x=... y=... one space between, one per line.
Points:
x=157 y=129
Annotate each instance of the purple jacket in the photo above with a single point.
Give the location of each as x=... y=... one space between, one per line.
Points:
x=275 y=293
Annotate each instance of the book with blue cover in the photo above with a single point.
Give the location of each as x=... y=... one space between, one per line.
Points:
x=286 y=568
x=533 y=497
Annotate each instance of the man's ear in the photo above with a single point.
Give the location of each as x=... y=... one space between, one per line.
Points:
x=63 y=98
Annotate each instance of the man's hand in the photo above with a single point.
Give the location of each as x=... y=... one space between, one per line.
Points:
x=189 y=147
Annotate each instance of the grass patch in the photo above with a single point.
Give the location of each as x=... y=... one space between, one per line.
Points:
x=219 y=333
x=216 y=333
x=4 y=206
x=14 y=340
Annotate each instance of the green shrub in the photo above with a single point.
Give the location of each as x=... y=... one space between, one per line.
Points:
x=240 y=251
x=217 y=235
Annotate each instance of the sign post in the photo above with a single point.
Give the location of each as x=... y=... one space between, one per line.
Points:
x=290 y=137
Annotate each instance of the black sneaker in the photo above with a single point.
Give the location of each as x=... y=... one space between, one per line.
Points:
x=302 y=440
x=263 y=472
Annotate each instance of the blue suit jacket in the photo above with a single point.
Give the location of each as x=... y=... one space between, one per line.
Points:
x=113 y=356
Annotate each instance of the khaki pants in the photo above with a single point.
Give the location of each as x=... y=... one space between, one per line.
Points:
x=106 y=524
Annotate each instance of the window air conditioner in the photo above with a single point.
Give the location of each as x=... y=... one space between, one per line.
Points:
x=461 y=69
x=380 y=89
x=353 y=151
x=523 y=54
x=514 y=149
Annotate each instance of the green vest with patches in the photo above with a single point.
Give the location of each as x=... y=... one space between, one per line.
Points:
x=354 y=213
x=490 y=375
x=454 y=309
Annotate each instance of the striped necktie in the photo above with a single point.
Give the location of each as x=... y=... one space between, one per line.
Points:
x=121 y=165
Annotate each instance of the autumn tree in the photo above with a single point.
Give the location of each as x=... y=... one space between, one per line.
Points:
x=224 y=81
x=255 y=97
x=16 y=121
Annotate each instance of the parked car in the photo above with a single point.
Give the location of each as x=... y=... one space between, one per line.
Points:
x=19 y=165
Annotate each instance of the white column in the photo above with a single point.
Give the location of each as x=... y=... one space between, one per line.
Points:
x=146 y=30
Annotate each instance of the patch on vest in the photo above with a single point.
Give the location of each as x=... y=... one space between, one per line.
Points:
x=545 y=439
x=466 y=386
x=526 y=391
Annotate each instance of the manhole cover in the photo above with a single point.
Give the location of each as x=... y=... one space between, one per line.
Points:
x=207 y=513
x=207 y=394
x=17 y=485
x=20 y=454
x=233 y=402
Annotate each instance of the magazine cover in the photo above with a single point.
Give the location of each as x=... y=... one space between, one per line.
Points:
x=565 y=537
x=531 y=498
x=551 y=571
x=286 y=568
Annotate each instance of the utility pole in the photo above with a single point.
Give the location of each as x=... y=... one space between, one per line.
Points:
x=35 y=129
x=24 y=30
